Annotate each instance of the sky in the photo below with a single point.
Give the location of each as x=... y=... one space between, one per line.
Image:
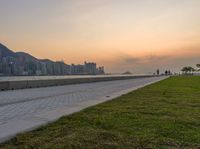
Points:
x=139 y=36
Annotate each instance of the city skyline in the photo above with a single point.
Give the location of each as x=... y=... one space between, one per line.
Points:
x=128 y=35
x=24 y=64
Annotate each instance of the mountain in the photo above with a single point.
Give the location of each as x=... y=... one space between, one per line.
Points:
x=5 y=52
x=25 y=57
x=46 y=60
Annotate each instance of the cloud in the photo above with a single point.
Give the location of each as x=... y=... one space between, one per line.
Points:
x=127 y=59
x=130 y=60
x=150 y=62
x=155 y=58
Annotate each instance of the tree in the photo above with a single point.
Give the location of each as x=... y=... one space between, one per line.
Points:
x=188 y=70
x=198 y=66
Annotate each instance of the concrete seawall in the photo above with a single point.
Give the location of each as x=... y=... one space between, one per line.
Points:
x=22 y=84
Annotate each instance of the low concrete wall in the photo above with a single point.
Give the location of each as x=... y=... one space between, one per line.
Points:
x=4 y=85
x=17 y=85
x=12 y=85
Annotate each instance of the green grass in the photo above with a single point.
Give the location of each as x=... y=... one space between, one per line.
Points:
x=162 y=115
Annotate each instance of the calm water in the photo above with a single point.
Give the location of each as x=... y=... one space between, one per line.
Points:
x=18 y=78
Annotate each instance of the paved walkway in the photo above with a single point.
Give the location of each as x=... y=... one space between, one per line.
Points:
x=23 y=110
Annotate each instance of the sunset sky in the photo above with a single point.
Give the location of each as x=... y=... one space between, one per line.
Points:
x=123 y=35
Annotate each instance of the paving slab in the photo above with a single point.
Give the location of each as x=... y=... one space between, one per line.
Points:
x=27 y=109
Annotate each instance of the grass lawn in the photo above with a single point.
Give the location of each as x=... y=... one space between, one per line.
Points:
x=162 y=115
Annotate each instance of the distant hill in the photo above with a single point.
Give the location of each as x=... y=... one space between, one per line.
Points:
x=127 y=73
x=25 y=57
x=5 y=52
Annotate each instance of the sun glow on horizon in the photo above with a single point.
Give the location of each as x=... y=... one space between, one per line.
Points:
x=136 y=35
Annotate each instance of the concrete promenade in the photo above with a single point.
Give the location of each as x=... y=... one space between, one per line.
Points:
x=26 y=109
